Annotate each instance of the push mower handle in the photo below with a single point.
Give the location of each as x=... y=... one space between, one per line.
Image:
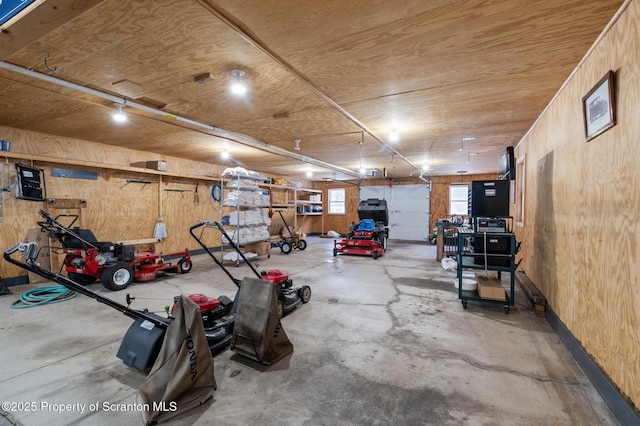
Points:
x=27 y=248
x=214 y=224
x=57 y=230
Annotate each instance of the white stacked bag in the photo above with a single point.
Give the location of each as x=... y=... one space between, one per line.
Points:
x=249 y=217
x=249 y=234
x=246 y=199
x=251 y=225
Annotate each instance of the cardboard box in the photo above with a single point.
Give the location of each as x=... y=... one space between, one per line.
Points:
x=159 y=165
x=260 y=248
x=490 y=288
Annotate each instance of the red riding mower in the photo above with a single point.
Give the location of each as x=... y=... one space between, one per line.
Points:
x=369 y=236
x=116 y=265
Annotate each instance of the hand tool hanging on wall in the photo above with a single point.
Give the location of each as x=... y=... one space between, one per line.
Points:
x=160 y=230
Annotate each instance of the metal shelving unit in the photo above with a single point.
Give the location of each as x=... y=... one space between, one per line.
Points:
x=250 y=200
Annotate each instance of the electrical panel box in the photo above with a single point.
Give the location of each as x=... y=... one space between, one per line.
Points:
x=489 y=198
x=30 y=183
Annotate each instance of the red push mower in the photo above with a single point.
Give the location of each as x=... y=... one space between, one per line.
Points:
x=289 y=297
x=369 y=236
x=115 y=265
x=143 y=340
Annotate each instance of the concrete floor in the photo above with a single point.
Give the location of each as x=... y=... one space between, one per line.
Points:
x=382 y=341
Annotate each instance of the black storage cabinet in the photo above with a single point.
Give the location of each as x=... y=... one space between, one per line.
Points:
x=498 y=245
x=489 y=198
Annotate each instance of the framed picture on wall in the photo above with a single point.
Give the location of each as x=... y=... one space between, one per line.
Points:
x=599 y=107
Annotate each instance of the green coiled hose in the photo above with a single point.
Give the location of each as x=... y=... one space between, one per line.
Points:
x=43 y=296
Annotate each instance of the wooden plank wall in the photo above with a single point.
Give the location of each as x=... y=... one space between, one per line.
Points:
x=336 y=222
x=311 y=224
x=115 y=210
x=439 y=198
x=440 y=193
x=581 y=233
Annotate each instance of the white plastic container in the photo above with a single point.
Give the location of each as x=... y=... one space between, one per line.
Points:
x=468 y=284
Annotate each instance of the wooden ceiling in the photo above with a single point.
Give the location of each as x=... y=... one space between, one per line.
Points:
x=331 y=74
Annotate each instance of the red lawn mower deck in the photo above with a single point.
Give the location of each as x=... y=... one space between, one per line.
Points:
x=115 y=265
x=369 y=236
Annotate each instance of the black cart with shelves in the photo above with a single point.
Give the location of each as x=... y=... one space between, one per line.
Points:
x=487 y=251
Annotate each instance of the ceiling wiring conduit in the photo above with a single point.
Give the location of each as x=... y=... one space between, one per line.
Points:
x=209 y=129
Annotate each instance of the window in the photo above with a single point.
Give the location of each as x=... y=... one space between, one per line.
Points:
x=458 y=199
x=336 y=201
x=520 y=191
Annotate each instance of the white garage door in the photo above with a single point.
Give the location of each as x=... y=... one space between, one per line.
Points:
x=408 y=209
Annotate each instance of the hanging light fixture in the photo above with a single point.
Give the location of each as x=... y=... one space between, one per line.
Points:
x=224 y=154
x=119 y=116
x=469 y=156
x=394 y=136
x=363 y=171
x=466 y=138
x=238 y=87
x=297 y=142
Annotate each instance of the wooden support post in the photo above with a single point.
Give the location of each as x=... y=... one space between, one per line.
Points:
x=439 y=243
